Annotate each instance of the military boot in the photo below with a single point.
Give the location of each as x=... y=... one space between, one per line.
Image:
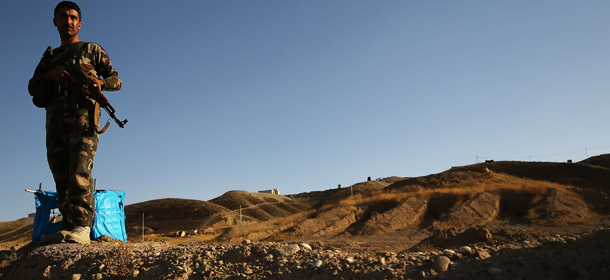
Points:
x=79 y=235
x=55 y=238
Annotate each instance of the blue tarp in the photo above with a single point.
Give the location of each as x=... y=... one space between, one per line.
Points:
x=109 y=214
x=45 y=202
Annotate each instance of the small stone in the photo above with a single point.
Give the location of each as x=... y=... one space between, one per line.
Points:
x=47 y=272
x=104 y=238
x=287 y=250
x=135 y=273
x=316 y=264
x=482 y=254
x=76 y=276
x=349 y=260
x=465 y=250
x=448 y=252
x=441 y=264
x=305 y=246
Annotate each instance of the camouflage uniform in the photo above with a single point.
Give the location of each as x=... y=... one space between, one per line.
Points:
x=72 y=134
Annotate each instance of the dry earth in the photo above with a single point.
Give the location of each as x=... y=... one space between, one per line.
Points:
x=494 y=220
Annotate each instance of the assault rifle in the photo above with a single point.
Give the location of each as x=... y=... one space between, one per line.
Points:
x=95 y=93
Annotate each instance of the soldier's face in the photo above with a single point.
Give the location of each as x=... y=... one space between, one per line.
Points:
x=67 y=22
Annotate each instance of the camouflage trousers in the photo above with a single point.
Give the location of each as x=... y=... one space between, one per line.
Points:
x=72 y=140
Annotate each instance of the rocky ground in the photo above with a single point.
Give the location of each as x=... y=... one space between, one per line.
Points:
x=496 y=220
x=583 y=255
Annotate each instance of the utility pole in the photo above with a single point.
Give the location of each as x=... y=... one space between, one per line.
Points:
x=587 y=155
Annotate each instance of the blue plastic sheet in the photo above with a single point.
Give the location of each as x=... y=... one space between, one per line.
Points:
x=109 y=214
x=45 y=203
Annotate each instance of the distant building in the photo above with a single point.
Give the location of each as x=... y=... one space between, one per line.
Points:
x=273 y=191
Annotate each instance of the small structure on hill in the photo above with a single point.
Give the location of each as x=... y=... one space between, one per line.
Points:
x=272 y=191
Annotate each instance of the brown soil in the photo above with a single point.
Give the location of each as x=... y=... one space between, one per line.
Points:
x=529 y=218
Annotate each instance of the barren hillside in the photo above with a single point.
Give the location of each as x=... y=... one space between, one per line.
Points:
x=172 y=214
x=484 y=204
x=15 y=231
x=534 y=194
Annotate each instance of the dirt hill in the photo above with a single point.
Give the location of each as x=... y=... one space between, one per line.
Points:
x=601 y=160
x=15 y=231
x=534 y=193
x=486 y=203
x=169 y=215
x=165 y=217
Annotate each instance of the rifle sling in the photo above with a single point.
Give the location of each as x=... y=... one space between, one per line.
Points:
x=105 y=127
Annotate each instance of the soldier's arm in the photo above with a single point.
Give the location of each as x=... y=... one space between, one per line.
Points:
x=45 y=78
x=38 y=83
x=110 y=77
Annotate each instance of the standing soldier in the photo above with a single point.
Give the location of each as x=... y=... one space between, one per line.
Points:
x=72 y=127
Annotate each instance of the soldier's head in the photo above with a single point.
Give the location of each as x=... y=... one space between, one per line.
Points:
x=67 y=19
x=67 y=5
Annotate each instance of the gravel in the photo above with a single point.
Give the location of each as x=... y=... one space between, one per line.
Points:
x=585 y=256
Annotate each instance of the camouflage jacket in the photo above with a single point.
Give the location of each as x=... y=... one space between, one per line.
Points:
x=93 y=60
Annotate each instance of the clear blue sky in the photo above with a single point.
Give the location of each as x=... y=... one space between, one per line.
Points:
x=305 y=95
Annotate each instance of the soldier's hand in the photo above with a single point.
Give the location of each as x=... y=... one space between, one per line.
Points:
x=95 y=94
x=98 y=86
x=85 y=90
x=61 y=77
x=89 y=93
